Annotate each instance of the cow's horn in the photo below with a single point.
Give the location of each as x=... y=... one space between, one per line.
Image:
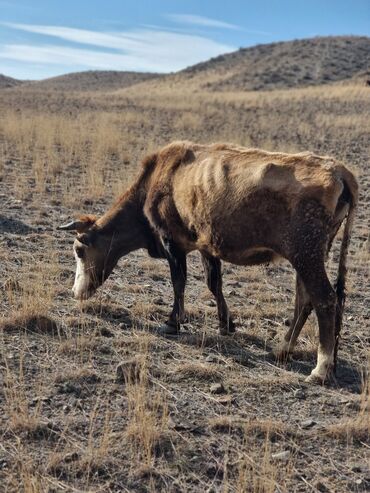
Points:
x=72 y=226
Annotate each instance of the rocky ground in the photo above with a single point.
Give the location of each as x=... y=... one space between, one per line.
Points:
x=91 y=397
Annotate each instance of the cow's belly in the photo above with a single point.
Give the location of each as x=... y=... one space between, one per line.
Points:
x=253 y=256
x=253 y=233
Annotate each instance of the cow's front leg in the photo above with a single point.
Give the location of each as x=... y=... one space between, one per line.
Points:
x=177 y=261
x=212 y=269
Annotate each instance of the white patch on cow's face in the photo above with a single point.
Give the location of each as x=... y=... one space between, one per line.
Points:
x=94 y=263
x=83 y=286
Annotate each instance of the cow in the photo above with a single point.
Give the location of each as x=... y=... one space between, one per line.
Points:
x=233 y=204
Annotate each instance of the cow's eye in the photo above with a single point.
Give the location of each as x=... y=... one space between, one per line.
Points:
x=80 y=252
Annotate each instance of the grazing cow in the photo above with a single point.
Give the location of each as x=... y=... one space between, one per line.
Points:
x=244 y=206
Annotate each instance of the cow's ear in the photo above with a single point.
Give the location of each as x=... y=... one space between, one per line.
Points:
x=81 y=225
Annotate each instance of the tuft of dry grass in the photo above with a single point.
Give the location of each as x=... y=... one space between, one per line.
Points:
x=197 y=371
x=355 y=428
x=147 y=428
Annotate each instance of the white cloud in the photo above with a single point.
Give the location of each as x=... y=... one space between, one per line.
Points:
x=82 y=36
x=143 y=50
x=199 y=20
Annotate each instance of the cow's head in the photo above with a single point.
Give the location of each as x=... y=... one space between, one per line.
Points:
x=94 y=254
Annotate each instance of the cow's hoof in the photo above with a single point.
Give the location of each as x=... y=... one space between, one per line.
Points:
x=226 y=330
x=315 y=379
x=168 y=330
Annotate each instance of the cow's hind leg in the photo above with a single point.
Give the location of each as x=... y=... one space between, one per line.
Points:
x=302 y=309
x=212 y=269
x=177 y=262
x=324 y=301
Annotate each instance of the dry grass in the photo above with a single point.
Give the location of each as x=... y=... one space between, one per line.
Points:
x=358 y=427
x=66 y=422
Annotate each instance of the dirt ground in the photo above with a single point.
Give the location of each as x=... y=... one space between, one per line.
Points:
x=92 y=398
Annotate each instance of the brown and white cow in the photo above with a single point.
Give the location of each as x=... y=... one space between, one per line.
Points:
x=244 y=206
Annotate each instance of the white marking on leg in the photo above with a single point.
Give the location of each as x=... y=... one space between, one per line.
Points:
x=324 y=365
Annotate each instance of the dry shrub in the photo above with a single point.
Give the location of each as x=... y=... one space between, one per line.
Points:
x=355 y=428
x=83 y=375
x=225 y=424
x=147 y=428
x=197 y=371
x=21 y=418
x=257 y=470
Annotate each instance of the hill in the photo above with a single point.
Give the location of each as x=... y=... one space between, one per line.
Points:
x=6 y=82
x=92 y=80
x=298 y=63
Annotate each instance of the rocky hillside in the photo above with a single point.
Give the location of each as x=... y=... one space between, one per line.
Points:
x=303 y=62
x=6 y=82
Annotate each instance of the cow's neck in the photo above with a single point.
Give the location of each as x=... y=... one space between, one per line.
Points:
x=125 y=222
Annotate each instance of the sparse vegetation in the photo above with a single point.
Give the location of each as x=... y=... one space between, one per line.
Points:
x=67 y=422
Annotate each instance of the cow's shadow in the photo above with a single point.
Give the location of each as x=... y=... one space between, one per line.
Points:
x=237 y=348
x=14 y=226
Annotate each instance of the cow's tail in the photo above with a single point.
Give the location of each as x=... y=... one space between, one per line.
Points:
x=350 y=197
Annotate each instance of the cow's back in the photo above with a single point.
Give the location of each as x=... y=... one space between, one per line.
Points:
x=222 y=196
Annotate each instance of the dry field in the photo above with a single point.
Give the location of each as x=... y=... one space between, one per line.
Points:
x=92 y=399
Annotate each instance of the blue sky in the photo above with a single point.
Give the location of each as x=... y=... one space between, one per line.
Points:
x=44 y=38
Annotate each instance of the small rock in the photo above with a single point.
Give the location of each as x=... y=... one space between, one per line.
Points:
x=281 y=456
x=299 y=394
x=211 y=303
x=105 y=332
x=156 y=277
x=214 y=470
x=217 y=388
x=231 y=292
x=234 y=284
x=36 y=400
x=242 y=359
x=212 y=358
x=307 y=423
x=179 y=426
x=321 y=487
x=158 y=301
x=225 y=400
x=71 y=457
x=356 y=467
